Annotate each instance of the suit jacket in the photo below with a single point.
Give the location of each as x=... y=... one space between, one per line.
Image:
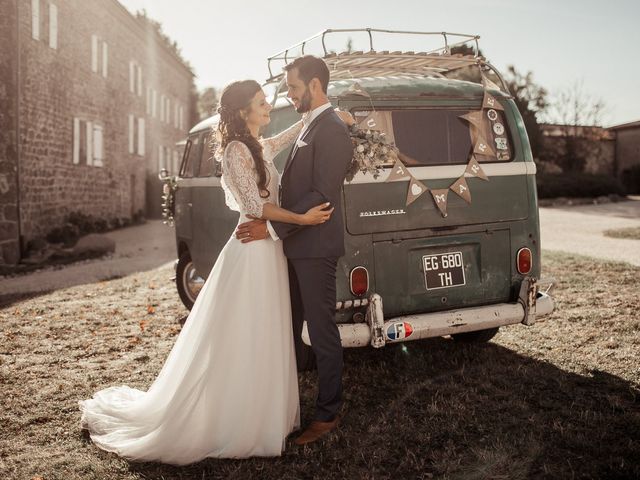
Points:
x=314 y=174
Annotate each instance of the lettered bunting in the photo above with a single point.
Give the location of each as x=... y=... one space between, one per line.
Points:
x=461 y=188
x=474 y=169
x=416 y=188
x=440 y=197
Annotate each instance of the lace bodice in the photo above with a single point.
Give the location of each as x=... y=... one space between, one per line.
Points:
x=240 y=178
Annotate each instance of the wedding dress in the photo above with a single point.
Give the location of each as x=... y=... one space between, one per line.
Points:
x=229 y=386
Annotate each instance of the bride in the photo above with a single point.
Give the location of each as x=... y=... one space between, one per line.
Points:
x=229 y=385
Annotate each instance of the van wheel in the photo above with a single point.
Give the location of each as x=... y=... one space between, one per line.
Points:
x=188 y=282
x=479 y=336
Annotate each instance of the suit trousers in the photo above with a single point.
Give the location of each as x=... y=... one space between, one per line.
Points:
x=313 y=298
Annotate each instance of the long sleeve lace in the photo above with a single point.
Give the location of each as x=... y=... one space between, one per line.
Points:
x=240 y=179
x=274 y=145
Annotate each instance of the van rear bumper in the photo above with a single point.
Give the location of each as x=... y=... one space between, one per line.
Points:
x=377 y=333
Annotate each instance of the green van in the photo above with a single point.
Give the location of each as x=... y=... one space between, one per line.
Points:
x=459 y=261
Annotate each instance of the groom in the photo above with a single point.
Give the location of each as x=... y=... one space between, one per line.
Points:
x=313 y=174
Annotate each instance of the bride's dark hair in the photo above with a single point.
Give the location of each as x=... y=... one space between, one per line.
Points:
x=234 y=101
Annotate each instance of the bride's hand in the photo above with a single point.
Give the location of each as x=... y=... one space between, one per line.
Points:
x=316 y=215
x=346 y=117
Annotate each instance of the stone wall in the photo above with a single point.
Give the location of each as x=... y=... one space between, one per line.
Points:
x=58 y=85
x=9 y=226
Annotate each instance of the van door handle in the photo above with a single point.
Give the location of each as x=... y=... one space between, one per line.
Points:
x=190 y=204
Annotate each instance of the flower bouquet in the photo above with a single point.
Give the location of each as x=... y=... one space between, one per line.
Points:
x=371 y=151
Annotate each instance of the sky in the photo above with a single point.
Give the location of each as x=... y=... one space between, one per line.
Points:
x=562 y=42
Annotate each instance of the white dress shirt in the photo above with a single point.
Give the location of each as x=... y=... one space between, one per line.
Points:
x=307 y=118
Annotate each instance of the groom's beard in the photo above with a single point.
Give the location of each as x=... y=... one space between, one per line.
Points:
x=305 y=102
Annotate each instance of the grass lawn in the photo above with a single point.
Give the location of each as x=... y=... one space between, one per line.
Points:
x=559 y=399
x=632 y=233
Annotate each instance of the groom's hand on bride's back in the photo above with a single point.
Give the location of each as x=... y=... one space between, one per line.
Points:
x=255 y=229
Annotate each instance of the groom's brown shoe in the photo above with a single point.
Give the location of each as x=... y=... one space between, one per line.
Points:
x=316 y=430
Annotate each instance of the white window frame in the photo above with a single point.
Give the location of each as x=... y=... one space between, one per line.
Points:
x=53 y=26
x=94 y=53
x=160 y=158
x=141 y=137
x=105 y=58
x=89 y=133
x=98 y=146
x=154 y=103
x=76 y=141
x=162 y=106
x=35 y=19
x=132 y=133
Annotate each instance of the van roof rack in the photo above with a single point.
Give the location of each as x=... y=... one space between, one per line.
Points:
x=347 y=65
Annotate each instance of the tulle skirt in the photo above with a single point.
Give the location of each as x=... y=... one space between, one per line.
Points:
x=229 y=386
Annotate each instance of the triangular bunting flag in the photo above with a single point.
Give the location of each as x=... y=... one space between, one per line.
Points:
x=398 y=171
x=474 y=169
x=461 y=188
x=489 y=101
x=356 y=89
x=488 y=84
x=416 y=188
x=483 y=148
x=475 y=118
x=440 y=197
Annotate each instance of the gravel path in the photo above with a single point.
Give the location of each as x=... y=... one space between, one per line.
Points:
x=579 y=229
x=138 y=249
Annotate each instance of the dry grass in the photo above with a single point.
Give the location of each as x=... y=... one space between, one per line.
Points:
x=632 y=233
x=556 y=400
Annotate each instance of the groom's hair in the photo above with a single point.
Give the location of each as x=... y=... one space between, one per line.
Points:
x=310 y=67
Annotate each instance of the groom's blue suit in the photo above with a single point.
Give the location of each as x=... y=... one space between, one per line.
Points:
x=314 y=174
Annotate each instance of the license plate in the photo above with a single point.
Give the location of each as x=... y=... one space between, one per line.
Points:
x=443 y=270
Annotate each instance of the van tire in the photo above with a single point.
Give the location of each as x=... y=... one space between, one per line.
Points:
x=184 y=262
x=479 y=336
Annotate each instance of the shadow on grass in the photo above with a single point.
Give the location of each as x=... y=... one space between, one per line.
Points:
x=438 y=409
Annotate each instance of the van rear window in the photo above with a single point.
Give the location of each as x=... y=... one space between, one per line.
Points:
x=437 y=137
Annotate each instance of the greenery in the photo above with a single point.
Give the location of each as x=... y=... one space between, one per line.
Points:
x=631 y=179
x=169 y=198
x=632 y=233
x=576 y=185
x=371 y=150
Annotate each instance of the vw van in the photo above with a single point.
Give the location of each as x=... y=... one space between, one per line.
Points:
x=411 y=270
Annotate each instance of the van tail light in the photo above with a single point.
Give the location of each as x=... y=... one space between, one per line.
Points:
x=359 y=281
x=524 y=260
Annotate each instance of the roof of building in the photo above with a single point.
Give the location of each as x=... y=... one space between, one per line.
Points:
x=622 y=126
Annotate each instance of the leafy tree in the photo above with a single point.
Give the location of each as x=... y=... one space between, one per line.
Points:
x=531 y=100
x=207 y=102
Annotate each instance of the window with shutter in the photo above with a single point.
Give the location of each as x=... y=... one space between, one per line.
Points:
x=76 y=141
x=105 y=58
x=35 y=19
x=141 y=137
x=94 y=53
x=131 y=134
x=154 y=102
x=98 y=146
x=162 y=105
x=53 y=26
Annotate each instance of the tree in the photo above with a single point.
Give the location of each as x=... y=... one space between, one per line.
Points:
x=580 y=114
x=207 y=102
x=531 y=100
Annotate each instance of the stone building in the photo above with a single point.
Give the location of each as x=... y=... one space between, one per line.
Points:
x=588 y=149
x=627 y=146
x=92 y=103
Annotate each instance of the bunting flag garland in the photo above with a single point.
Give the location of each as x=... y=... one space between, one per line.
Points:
x=489 y=101
x=440 y=197
x=488 y=84
x=398 y=172
x=475 y=118
x=416 y=188
x=356 y=89
x=482 y=147
x=474 y=169
x=461 y=189
x=482 y=123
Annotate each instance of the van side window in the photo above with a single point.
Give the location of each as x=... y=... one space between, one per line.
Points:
x=209 y=164
x=191 y=157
